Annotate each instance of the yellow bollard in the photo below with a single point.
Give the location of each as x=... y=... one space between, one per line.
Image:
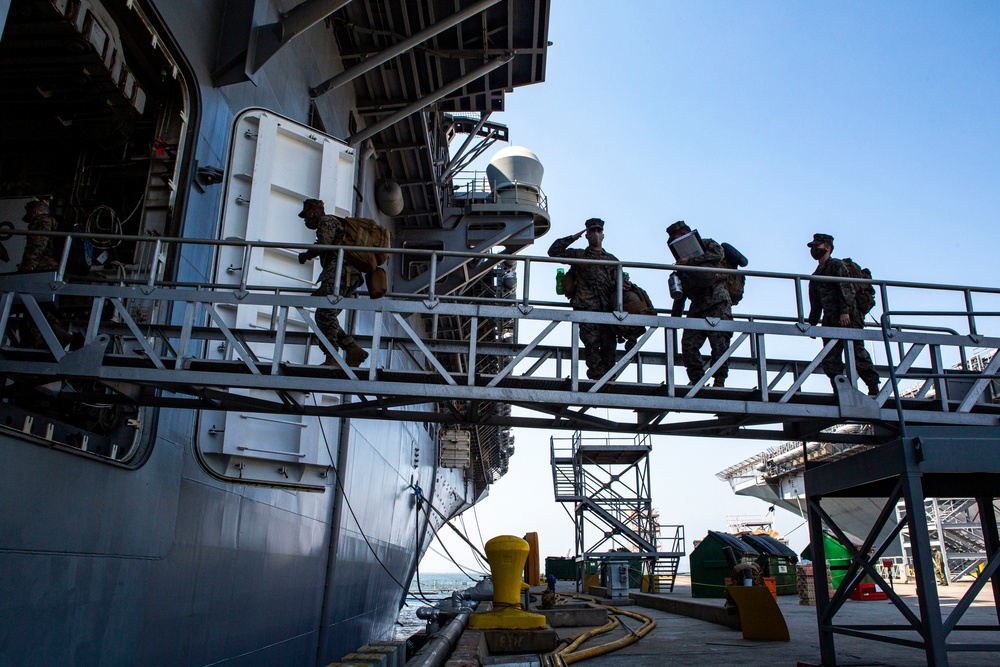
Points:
x=506 y=555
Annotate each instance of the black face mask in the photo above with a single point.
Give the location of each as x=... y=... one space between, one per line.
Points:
x=817 y=252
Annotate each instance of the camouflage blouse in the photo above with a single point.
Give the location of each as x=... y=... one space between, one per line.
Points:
x=596 y=286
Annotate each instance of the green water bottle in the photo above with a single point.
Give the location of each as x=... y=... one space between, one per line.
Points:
x=559 y=278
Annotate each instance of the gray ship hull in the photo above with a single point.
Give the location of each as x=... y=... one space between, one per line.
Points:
x=166 y=565
x=160 y=560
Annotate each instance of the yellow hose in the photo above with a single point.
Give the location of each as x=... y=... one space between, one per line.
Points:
x=578 y=639
x=569 y=654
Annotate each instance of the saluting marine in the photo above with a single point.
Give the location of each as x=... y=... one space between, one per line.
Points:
x=837 y=304
x=330 y=231
x=596 y=289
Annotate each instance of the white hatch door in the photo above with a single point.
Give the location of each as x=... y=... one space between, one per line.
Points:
x=274 y=165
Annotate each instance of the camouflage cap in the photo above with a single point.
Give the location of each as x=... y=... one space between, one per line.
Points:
x=594 y=222
x=309 y=204
x=819 y=239
x=678 y=227
x=34 y=205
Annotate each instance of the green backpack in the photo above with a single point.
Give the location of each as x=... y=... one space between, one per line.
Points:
x=864 y=295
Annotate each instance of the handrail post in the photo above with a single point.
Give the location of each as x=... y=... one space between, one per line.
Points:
x=155 y=265
x=61 y=272
x=799 y=307
x=971 y=312
x=527 y=281
x=432 y=284
x=620 y=279
x=247 y=251
x=884 y=292
x=338 y=272
x=894 y=381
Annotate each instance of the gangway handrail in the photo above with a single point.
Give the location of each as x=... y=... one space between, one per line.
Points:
x=980 y=383
x=525 y=260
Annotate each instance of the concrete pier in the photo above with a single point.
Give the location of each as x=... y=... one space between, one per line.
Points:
x=694 y=632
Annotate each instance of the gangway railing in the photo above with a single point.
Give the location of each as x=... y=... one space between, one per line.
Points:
x=156 y=342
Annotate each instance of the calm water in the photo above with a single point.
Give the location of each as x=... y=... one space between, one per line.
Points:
x=435 y=587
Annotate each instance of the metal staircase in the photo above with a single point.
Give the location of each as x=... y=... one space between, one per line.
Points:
x=955 y=526
x=607 y=482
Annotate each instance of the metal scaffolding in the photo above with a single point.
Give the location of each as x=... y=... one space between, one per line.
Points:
x=607 y=482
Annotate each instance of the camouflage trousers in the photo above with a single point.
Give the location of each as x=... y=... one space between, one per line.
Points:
x=327 y=318
x=33 y=335
x=833 y=364
x=600 y=344
x=629 y=335
x=692 y=341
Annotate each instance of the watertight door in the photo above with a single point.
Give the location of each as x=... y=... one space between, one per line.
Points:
x=274 y=165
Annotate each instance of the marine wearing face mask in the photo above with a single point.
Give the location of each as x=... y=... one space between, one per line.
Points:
x=596 y=290
x=833 y=305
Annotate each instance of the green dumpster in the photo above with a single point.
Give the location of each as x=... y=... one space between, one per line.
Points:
x=777 y=560
x=561 y=568
x=709 y=569
x=837 y=556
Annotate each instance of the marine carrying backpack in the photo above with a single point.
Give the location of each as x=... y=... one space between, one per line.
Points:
x=864 y=295
x=735 y=282
x=367 y=233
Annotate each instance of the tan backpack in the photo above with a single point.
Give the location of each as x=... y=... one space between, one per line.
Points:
x=367 y=233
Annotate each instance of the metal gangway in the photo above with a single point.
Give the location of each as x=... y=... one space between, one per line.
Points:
x=157 y=342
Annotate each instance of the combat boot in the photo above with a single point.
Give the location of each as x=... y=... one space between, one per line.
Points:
x=873 y=388
x=355 y=355
x=330 y=360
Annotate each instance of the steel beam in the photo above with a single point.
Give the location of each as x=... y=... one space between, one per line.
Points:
x=268 y=39
x=939 y=462
x=370 y=131
x=370 y=63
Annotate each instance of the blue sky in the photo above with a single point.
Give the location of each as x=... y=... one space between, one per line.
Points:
x=758 y=123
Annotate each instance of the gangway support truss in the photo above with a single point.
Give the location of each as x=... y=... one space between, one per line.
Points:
x=928 y=462
x=173 y=362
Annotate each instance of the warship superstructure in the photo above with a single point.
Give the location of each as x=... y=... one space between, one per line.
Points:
x=172 y=536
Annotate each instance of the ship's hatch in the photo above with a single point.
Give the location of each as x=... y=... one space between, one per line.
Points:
x=274 y=164
x=93 y=116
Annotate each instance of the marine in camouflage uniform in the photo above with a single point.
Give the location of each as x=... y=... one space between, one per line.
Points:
x=330 y=231
x=596 y=290
x=39 y=251
x=40 y=255
x=833 y=304
x=709 y=295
